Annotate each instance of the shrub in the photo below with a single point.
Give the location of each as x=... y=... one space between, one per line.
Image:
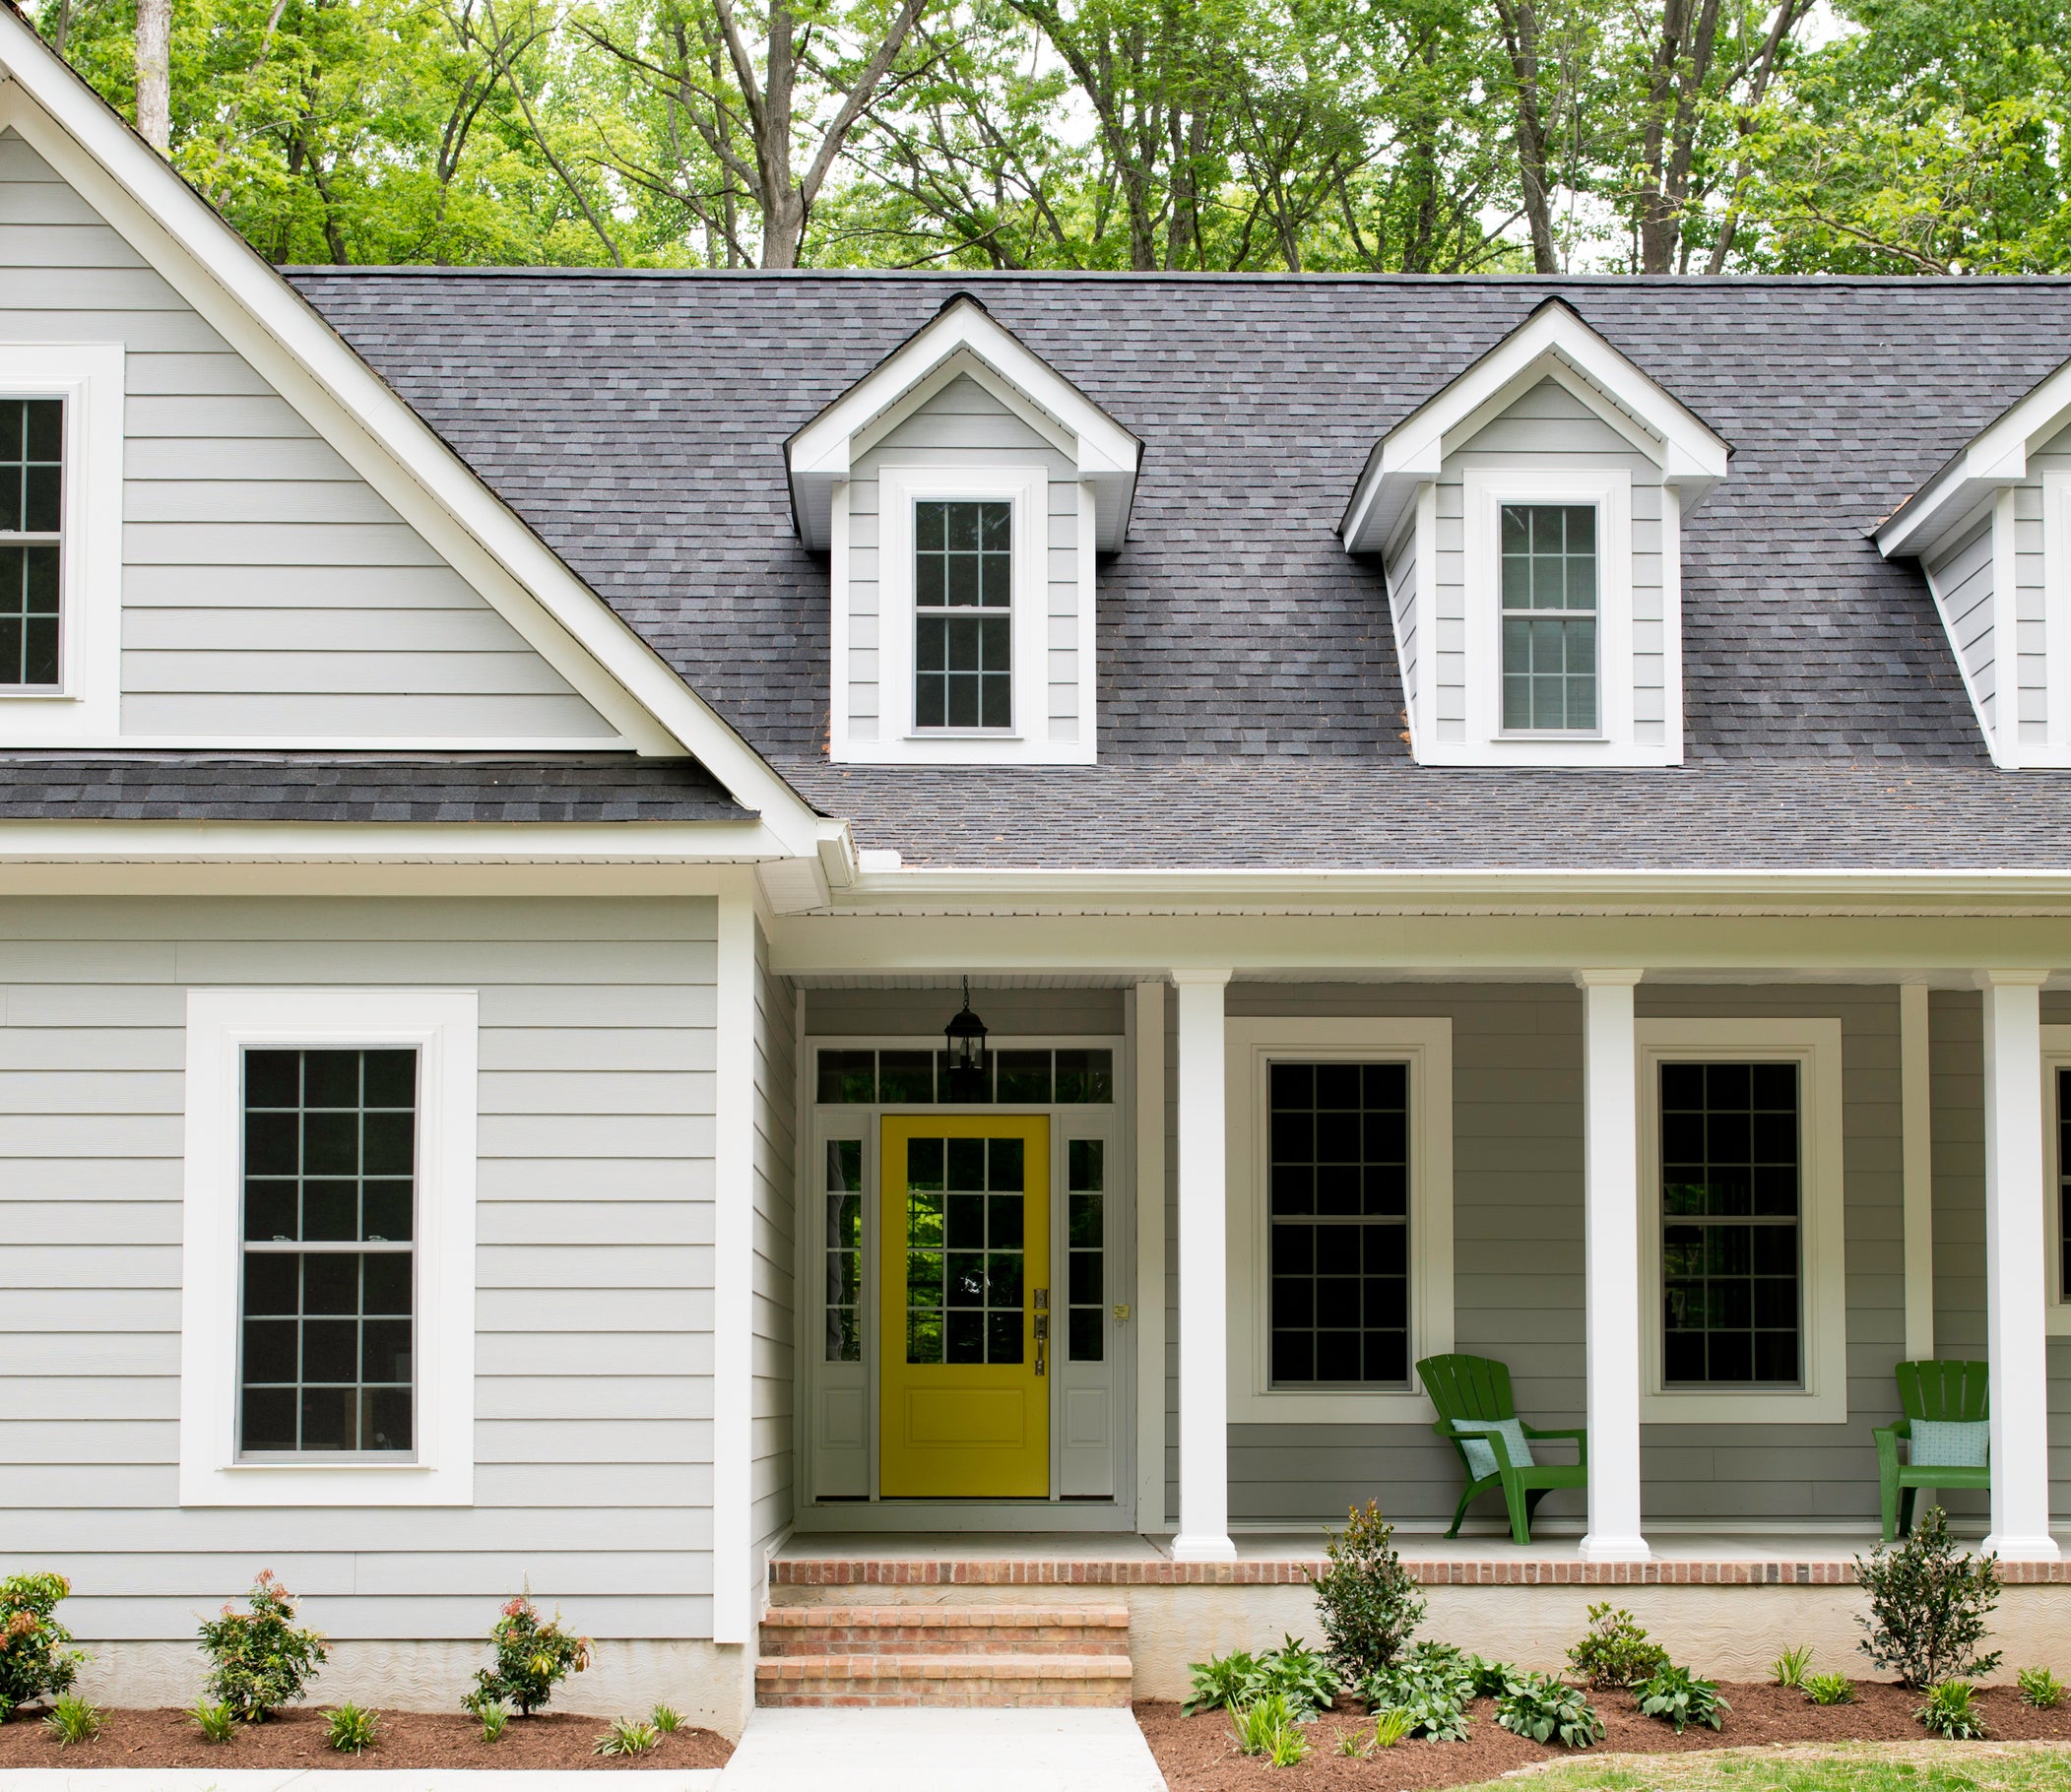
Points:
x=1830 y=1689
x=1366 y=1599
x=667 y=1719
x=1679 y=1699
x=1789 y=1668
x=1952 y=1710
x=1430 y=1686
x=353 y=1728
x=2041 y=1689
x=258 y=1660
x=494 y=1717
x=531 y=1659
x=1545 y=1709
x=1492 y=1678
x=1928 y=1605
x=71 y=1719
x=1615 y=1652
x=1222 y=1682
x=1299 y=1675
x=216 y=1721
x=34 y=1662
x=628 y=1736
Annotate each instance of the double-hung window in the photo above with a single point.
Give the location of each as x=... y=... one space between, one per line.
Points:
x=32 y=520
x=964 y=577
x=1549 y=605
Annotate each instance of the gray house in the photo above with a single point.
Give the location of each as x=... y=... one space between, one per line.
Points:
x=795 y=957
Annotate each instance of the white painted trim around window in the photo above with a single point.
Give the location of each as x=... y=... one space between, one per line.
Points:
x=1815 y=1046
x=442 y=1025
x=87 y=705
x=2057 y=1055
x=2056 y=614
x=1252 y=1045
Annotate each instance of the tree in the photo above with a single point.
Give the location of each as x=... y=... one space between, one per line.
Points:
x=155 y=73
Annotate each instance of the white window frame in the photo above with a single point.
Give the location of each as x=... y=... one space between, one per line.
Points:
x=441 y=1024
x=1252 y=1046
x=1815 y=1047
x=86 y=703
x=2056 y=626
x=2057 y=1055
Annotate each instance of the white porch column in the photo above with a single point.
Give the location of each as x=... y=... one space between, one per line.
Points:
x=1611 y=1256
x=1203 y=1316
x=2015 y=1252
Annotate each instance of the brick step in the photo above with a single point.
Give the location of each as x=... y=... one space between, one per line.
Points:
x=942 y=1679
x=943 y=1630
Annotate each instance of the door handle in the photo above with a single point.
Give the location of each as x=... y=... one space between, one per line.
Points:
x=1042 y=1330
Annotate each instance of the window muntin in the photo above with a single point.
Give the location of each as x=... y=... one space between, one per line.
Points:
x=1549 y=614
x=844 y=1250
x=1086 y=1250
x=963 y=622
x=1731 y=1247
x=965 y=1210
x=327 y=1291
x=1338 y=1205
x=32 y=514
x=1068 y=1076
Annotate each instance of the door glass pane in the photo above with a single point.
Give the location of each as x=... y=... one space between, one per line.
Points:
x=844 y=1250
x=1085 y=1243
x=964 y=1251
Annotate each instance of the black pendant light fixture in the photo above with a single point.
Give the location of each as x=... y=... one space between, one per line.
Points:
x=964 y=1037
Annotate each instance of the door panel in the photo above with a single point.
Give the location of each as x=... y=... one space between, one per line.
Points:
x=965 y=1356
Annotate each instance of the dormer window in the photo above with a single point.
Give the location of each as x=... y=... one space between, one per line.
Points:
x=32 y=537
x=1549 y=617
x=963 y=594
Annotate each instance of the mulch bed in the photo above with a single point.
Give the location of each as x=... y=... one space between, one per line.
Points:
x=297 y=1738
x=1199 y=1754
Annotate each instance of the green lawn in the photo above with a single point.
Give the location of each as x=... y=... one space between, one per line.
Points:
x=1864 y=1768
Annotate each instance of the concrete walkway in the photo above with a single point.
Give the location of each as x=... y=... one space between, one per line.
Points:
x=903 y=1750
x=339 y=1779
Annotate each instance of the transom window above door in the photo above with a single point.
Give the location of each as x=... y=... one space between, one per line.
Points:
x=963 y=583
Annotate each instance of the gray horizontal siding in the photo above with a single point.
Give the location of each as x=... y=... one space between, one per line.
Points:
x=1962 y=583
x=266 y=588
x=594 y=1265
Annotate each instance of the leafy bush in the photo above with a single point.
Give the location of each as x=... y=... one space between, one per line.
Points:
x=531 y=1659
x=2041 y=1689
x=72 y=1719
x=1615 y=1652
x=1952 y=1710
x=1789 y=1668
x=1830 y=1689
x=1296 y=1672
x=1929 y=1606
x=667 y=1719
x=1492 y=1678
x=1368 y=1604
x=628 y=1736
x=258 y=1661
x=1547 y=1709
x=353 y=1728
x=1679 y=1699
x=34 y=1662
x=1221 y=1683
x=1430 y=1686
x=216 y=1721
x=494 y=1717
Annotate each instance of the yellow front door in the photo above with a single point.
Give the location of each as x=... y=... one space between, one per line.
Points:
x=964 y=1395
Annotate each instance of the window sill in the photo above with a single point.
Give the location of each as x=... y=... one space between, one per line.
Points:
x=354 y=1484
x=1745 y=1406
x=1540 y=736
x=1330 y=1406
x=1001 y=735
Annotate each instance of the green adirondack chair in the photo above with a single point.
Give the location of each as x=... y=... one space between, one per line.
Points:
x=1472 y=1397
x=1941 y=1393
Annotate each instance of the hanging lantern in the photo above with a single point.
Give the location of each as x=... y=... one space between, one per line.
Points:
x=965 y=1037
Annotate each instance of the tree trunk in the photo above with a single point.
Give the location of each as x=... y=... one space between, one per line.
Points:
x=1521 y=42
x=155 y=73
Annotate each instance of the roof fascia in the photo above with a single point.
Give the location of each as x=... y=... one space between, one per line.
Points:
x=1994 y=459
x=246 y=301
x=56 y=842
x=1692 y=455
x=962 y=363
x=820 y=454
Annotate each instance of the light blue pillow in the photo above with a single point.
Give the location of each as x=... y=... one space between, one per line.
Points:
x=1481 y=1458
x=1952 y=1443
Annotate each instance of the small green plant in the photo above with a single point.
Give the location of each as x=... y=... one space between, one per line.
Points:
x=531 y=1659
x=353 y=1728
x=1434 y=1704
x=1305 y=1679
x=1679 y=1699
x=214 y=1719
x=1545 y=1709
x=494 y=1717
x=1259 y=1722
x=1221 y=1683
x=1368 y=1603
x=1390 y=1727
x=1352 y=1748
x=1950 y=1710
x=628 y=1736
x=1615 y=1652
x=1289 y=1747
x=667 y=1719
x=72 y=1719
x=2041 y=1689
x=258 y=1661
x=1492 y=1678
x=34 y=1662
x=1791 y=1668
x=1830 y=1689
x=1929 y=1606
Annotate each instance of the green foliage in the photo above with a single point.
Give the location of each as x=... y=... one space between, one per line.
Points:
x=1791 y=1668
x=258 y=1661
x=1260 y=1723
x=72 y=1719
x=34 y=1662
x=2041 y=1689
x=214 y=1719
x=1430 y=1686
x=1292 y=1672
x=1390 y=1727
x=1929 y=1606
x=1221 y=1683
x=1951 y=1711
x=667 y=1719
x=353 y=1728
x=1545 y=1709
x=1289 y=1747
x=1615 y=1651
x=1368 y=1604
x=628 y=1736
x=494 y=1716
x=1679 y=1699
x=531 y=1659
x=1492 y=1678
x=1830 y=1689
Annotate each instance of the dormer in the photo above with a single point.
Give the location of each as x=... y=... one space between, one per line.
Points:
x=1529 y=518
x=1991 y=530
x=961 y=492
